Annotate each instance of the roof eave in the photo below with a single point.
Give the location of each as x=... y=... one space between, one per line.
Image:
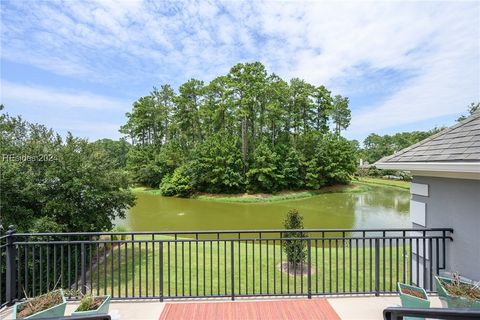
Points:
x=459 y=167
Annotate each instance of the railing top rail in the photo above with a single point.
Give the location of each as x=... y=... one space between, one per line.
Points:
x=393 y=313
x=228 y=239
x=232 y=231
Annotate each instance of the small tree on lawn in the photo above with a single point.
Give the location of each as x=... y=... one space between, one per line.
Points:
x=294 y=249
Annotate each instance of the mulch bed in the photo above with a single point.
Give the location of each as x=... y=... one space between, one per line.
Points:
x=463 y=290
x=39 y=303
x=414 y=293
x=291 y=270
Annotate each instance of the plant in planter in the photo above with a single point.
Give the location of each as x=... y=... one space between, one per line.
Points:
x=456 y=293
x=413 y=297
x=90 y=305
x=48 y=305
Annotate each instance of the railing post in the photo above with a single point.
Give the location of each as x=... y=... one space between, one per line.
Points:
x=84 y=269
x=11 y=268
x=377 y=267
x=232 y=269
x=309 y=276
x=161 y=270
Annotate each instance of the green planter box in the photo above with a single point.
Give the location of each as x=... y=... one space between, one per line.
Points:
x=410 y=301
x=55 y=311
x=449 y=301
x=102 y=309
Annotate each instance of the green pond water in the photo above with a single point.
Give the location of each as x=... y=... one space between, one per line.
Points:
x=380 y=207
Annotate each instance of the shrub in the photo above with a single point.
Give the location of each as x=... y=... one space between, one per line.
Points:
x=120 y=229
x=294 y=249
x=180 y=183
x=46 y=224
x=166 y=186
x=335 y=159
x=90 y=302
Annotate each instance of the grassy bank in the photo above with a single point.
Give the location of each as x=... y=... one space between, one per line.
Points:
x=280 y=196
x=266 y=197
x=146 y=190
x=205 y=268
x=360 y=185
x=385 y=182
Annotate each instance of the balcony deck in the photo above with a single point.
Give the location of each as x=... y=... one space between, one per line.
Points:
x=201 y=271
x=344 y=307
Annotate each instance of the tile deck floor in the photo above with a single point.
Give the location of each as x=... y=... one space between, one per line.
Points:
x=345 y=307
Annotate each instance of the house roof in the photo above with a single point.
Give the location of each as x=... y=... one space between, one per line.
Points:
x=454 y=149
x=460 y=142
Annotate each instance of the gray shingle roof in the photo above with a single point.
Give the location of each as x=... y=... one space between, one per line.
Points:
x=459 y=143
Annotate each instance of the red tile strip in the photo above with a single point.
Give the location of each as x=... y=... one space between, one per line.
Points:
x=251 y=310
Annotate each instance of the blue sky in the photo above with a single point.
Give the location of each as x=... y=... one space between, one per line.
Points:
x=79 y=65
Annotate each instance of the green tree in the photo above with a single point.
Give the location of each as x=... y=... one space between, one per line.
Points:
x=182 y=181
x=302 y=107
x=217 y=113
x=313 y=179
x=142 y=126
x=472 y=108
x=294 y=249
x=277 y=92
x=187 y=116
x=143 y=166
x=264 y=174
x=292 y=170
x=248 y=112
x=116 y=150
x=323 y=104
x=67 y=183
x=341 y=114
x=164 y=104
x=218 y=165
x=336 y=159
x=246 y=84
x=376 y=147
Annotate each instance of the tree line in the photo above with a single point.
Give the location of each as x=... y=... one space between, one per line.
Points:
x=377 y=146
x=54 y=184
x=244 y=131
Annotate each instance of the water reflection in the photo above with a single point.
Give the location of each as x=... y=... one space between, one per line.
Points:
x=381 y=207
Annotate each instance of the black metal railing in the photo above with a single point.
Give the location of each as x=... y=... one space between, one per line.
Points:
x=240 y=263
x=398 y=313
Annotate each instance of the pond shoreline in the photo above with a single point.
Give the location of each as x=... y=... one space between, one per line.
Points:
x=267 y=197
x=360 y=185
x=357 y=205
x=279 y=196
x=384 y=182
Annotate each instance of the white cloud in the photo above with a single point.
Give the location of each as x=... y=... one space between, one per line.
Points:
x=91 y=130
x=435 y=43
x=84 y=114
x=15 y=94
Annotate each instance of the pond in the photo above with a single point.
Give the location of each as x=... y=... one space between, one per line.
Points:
x=380 y=207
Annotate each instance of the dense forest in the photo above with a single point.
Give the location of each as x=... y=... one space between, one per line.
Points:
x=244 y=131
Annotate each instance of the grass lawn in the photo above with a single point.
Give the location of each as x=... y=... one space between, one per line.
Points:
x=205 y=268
x=385 y=182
